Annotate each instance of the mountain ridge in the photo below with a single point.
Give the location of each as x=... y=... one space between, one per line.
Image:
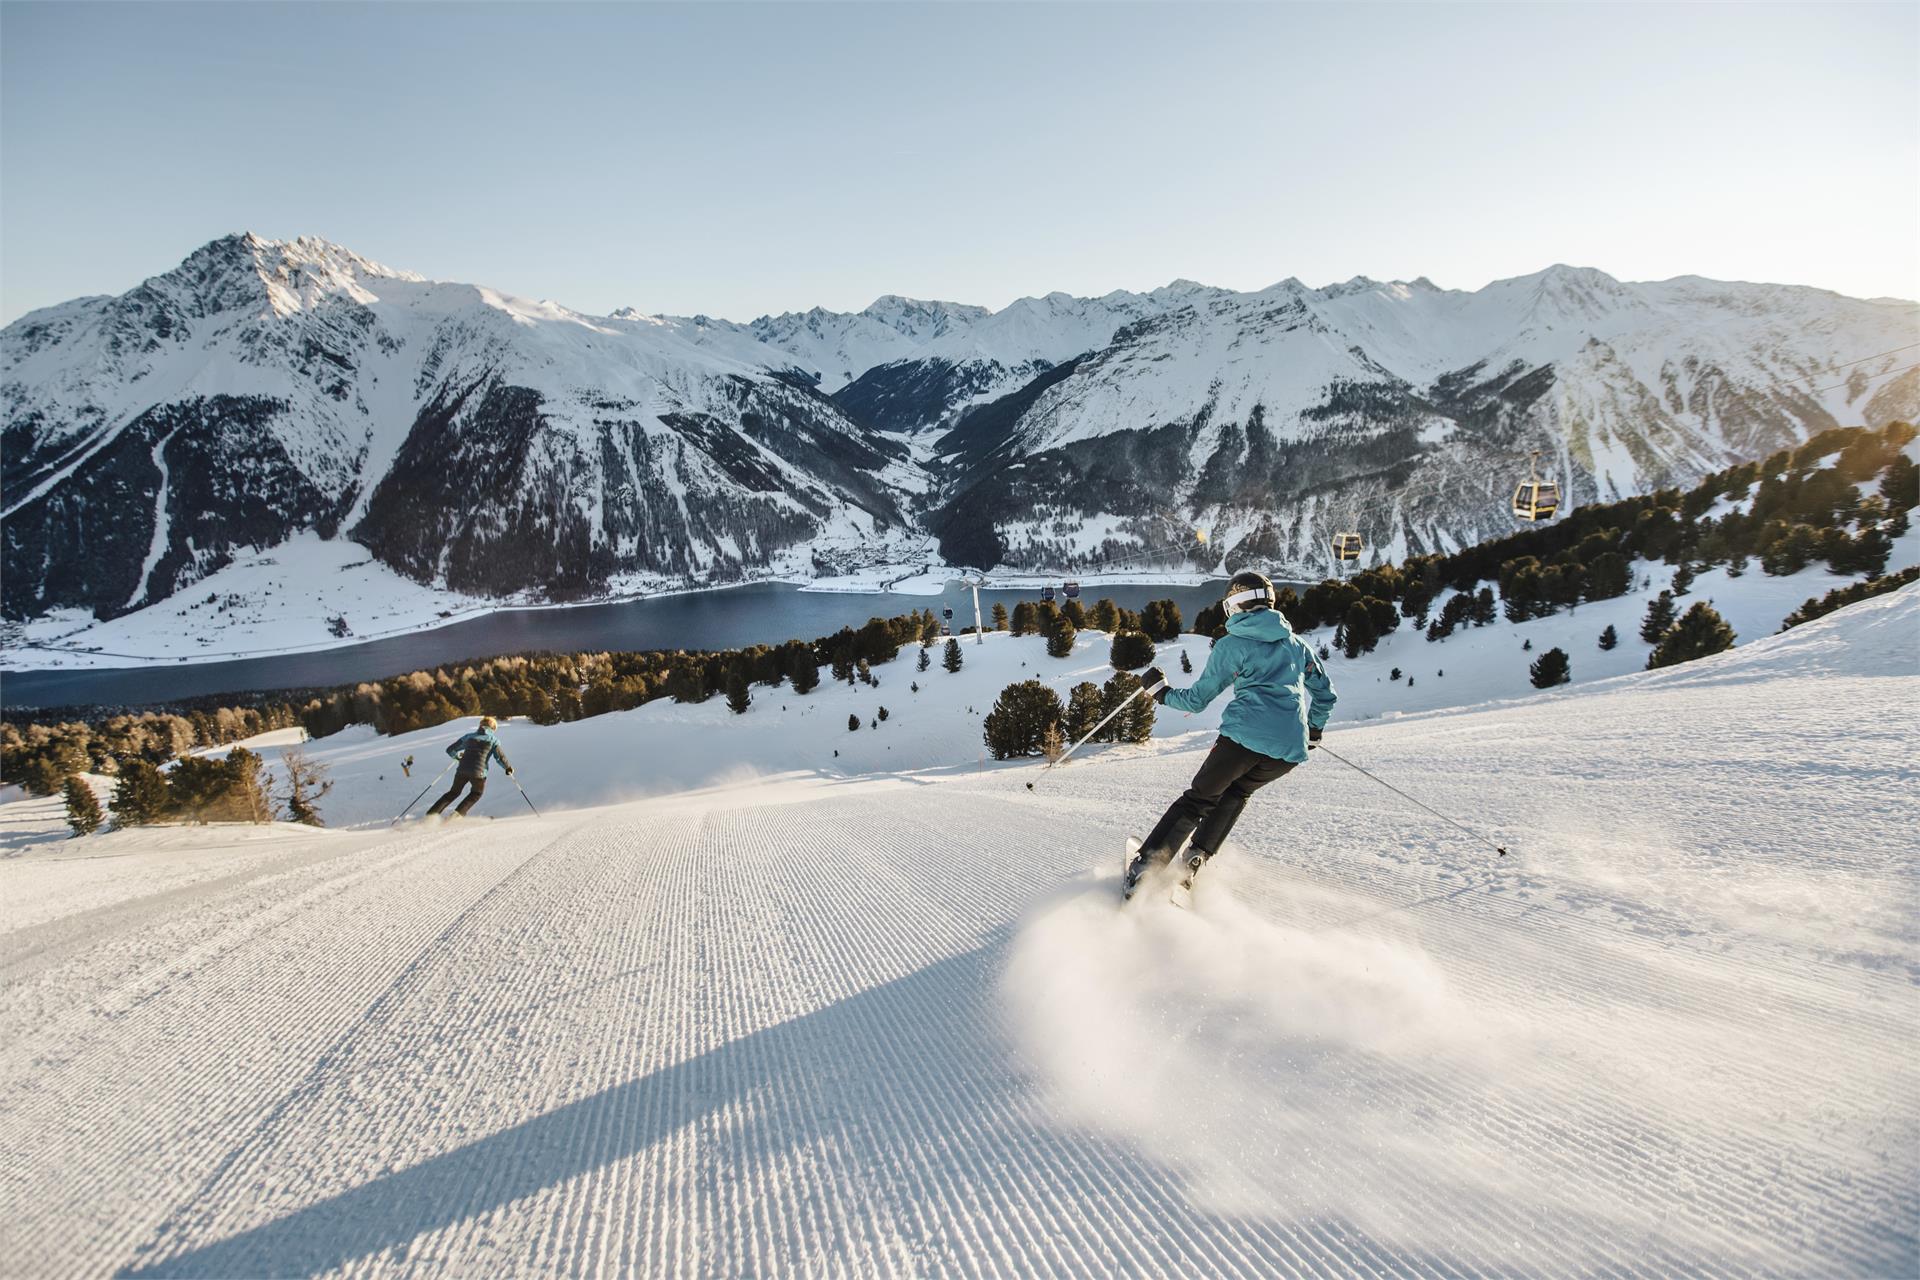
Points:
x=505 y=445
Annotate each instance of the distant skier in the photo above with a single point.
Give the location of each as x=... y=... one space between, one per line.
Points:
x=474 y=751
x=1281 y=700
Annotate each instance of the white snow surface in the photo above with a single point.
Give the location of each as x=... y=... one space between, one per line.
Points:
x=867 y=1018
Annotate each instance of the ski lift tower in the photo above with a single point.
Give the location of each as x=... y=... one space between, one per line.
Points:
x=976 y=581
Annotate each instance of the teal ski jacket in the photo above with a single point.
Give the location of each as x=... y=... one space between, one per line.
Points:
x=475 y=751
x=1279 y=686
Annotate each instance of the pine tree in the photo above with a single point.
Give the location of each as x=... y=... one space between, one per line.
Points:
x=1659 y=619
x=1551 y=668
x=1104 y=616
x=1061 y=638
x=245 y=796
x=1186 y=663
x=1021 y=716
x=1130 y=651
x=1135 y=721
x=1609 y=638
x=925 y=660
x=1900 y=486
x=952 y=659
x=1683 y=579
x=307 y=782
x=1394 y=675
x=805 y=673
x=1483 y=611
x=1700 y=632
x=140 y=796
x=83 y=807
x=1024 y=618
x=999 y=616
x=1083 y=710
x=738 y=699
x=883 y=713
x=1356 y=631
x=1608 y=575
x=853 y=724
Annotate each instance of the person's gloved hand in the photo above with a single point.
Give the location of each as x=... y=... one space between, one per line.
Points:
x=1313 y=736
x=509 y=773
x=1155 y=676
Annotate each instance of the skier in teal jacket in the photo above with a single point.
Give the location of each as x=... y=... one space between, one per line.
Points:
x=474 y=751
x=1281 y=700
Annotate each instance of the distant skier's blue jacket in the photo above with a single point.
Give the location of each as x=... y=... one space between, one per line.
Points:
x=475 y=751
x=1279 y=686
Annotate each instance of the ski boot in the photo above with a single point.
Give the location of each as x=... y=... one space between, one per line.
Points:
x=1182 y=895
x=1142 y=863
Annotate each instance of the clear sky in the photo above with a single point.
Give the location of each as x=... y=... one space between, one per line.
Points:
x=740 y=159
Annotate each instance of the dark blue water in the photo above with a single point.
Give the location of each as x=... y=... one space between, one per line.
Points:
x=764 y=613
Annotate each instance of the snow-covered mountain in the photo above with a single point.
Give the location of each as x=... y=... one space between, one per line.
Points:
x=496 y=445
x=1405 y=412
x=464 y=436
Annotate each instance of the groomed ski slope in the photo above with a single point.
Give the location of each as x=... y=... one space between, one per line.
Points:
x=894 y=1024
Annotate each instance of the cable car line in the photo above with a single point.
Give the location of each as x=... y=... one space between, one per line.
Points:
x=1870 y=378
x=1849 y=364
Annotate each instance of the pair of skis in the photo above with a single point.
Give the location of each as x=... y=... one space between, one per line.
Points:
x=1181 y=895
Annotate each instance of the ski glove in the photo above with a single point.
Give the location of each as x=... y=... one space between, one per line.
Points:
x=1313 y=736
x=1155 y=676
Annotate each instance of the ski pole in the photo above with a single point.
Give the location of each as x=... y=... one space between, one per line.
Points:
x=523 y=793
x=1497 y=848
x=416 y=800
x=1097 y=728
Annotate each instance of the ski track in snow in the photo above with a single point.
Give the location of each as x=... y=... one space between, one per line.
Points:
x=162 y=522
x=894 y=1025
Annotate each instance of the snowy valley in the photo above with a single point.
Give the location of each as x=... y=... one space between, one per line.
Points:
x=426 y=450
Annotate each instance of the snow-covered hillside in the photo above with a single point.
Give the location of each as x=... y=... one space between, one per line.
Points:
x=499 y=447
x=894 y=1022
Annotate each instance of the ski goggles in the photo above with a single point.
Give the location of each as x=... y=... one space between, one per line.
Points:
x=1240 y=600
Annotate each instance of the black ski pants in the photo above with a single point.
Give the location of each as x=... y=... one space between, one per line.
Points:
x=1210 y=807
x=478 y=781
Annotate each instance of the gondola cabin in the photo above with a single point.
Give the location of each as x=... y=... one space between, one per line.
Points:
x=1536 y=500
x=1046 y=595
x=1071 y=590
x=1348 y=546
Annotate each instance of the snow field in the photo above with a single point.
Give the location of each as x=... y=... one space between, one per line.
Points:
x=893 y=1024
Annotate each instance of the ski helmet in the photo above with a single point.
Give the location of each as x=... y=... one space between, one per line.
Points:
x=1247 y=591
